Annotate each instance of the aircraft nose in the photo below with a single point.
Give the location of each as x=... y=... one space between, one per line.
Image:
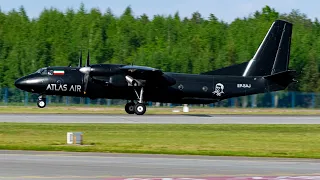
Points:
x=19 y=83
x=23 y=83
x=29 y=83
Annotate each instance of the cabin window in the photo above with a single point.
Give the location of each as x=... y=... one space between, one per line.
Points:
x=205 y=88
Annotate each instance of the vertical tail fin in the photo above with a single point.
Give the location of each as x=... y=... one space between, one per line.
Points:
x=273 y=53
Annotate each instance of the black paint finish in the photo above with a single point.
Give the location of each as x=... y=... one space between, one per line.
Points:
x=266 y=71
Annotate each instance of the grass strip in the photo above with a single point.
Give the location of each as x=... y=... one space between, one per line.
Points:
x=155 y=110
x=298 y=141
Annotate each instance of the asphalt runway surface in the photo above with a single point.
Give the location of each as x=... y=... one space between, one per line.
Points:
x=63 y=165
x=73 y=166
x=159 y=119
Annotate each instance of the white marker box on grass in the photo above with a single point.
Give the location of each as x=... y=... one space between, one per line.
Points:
x=185 y=108
x=74 y=138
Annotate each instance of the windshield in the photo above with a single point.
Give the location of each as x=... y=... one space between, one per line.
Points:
x=42 y=71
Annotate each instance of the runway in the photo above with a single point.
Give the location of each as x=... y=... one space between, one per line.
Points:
x=72 y=166
x=159 y=119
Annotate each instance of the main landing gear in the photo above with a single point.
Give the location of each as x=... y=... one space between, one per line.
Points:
x=130 y=107
x=41 y=101
x=138 y=108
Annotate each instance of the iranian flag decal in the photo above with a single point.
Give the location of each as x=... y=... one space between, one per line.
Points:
x=58 y=72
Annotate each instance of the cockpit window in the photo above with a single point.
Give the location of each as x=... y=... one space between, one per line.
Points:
x=39 y=70
x=42 y=71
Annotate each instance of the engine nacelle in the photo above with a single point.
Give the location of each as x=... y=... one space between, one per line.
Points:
x=101 y=70
x=133 y=82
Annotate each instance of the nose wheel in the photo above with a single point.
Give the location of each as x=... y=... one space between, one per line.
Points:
x=41 y=102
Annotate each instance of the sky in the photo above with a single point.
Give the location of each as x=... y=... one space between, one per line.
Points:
x=226 y=10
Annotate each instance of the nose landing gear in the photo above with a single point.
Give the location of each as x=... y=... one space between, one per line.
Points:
x=42 y=101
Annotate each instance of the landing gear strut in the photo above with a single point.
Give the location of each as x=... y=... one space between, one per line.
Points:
x=41 y=101
x=139 y=108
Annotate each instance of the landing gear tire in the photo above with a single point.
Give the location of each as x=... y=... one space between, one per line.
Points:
x=130 y=108
x=139 y=109
x=41 y=103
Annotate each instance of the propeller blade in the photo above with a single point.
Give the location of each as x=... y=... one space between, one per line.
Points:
x=80 y=59
x=88 y=60
x=86 y=79
x=86 y=70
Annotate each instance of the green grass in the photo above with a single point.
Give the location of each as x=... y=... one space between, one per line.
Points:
x=154 y=110
x=301 y=141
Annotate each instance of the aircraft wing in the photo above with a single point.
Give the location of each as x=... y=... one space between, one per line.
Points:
x=147 y=75
x=141 y=71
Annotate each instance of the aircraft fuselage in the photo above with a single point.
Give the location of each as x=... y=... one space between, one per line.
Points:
x=188 y=88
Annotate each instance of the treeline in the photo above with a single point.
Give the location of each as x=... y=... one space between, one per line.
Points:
x=171 y=43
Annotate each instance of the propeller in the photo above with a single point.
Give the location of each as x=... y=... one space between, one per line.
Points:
x=80 y=60
x=86 y=71
x=88 y=60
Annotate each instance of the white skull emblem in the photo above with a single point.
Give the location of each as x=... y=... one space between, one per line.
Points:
x=218 y=89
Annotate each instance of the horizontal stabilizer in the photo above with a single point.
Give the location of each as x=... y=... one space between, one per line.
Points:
x=283 y=78
x=234 y=70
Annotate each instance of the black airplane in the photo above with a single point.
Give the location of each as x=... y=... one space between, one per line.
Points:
x=267 y=71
